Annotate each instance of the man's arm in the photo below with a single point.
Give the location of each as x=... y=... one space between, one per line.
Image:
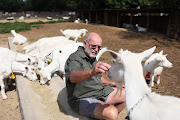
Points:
x=78 y=76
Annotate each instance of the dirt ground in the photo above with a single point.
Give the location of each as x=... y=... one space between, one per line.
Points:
x=113 y=38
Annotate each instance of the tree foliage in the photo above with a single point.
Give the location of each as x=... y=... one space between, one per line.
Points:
x=11 y=5
x=57 y=5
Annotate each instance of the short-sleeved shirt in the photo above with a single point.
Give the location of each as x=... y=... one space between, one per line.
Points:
x=91 y=88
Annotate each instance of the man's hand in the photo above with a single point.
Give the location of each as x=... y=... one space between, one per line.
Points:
x=100 y=67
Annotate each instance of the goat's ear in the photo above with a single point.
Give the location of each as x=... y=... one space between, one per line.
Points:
x=29 y=61
x=120 y=50
x=147 y=53
x=161 y=52
x=26 y=70
x=113 y=54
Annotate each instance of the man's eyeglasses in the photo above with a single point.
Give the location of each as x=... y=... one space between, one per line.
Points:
x=94 y=46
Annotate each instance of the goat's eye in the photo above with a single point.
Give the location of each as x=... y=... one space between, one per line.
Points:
x=113 y=61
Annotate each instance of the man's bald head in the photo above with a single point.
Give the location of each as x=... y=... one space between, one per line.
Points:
x=93 y=37
x=92 y=44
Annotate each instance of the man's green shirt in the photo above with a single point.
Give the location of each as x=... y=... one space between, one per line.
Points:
x=91 y=88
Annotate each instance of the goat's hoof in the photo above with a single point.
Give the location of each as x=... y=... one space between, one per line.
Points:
x=4 y=97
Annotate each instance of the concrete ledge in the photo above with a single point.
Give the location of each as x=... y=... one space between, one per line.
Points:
x=27 y=97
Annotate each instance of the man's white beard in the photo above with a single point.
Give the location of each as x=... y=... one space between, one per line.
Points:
x=88 y=52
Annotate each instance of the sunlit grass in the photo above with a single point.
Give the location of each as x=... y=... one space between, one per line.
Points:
x=22 y=26
x=17 y=26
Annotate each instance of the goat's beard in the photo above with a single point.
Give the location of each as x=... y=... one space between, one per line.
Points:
x=88 y=52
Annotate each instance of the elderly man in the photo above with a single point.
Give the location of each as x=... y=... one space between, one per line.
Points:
x=89 y=93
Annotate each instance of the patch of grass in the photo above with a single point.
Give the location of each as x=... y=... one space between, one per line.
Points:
x=17 y=26
x=35 y=23
x=22 y=26
x=58 y=21
x=36 y=26
x=53 y=21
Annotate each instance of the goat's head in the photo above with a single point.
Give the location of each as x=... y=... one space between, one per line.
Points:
x=163 y=62
x=44 y=75
x=83 y=31
x=30 y=73
x=40 y=62
x=126 y=59
x=32 y=61
x=137 y=25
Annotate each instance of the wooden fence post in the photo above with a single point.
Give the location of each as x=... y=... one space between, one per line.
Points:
x=96 y=17
x=147 y=24
x=117 y=18
x=89 y=15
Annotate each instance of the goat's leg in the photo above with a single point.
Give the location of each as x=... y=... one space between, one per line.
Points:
x=158 y=81
x=6 y=82
x=64 y=78
x=4 y=96
x=152 y=80
x=42 y=82
x=75 y=40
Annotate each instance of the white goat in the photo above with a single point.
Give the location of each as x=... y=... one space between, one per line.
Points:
x=46 y=43
x=9 y=66
x=59 y=57
x=141 y=29
x=21 y=18
x=5 y=52
x=78 y=21
x=70 y=33
x=28 y=15
x=154 y=66
x=141 y=103
x=18 y=39
x=86 y=20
